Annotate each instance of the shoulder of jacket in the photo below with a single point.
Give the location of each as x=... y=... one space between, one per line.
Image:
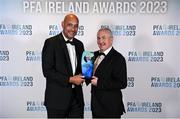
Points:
x=118 y=54
x=53 y=38
x=78 y=41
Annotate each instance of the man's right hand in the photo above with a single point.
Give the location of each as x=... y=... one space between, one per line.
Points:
x=94 y=80
x=77 y=79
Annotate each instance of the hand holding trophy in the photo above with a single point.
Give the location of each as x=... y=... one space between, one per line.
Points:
x=87 y=64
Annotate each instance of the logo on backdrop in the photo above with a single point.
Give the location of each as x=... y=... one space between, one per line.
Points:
x=165 y=82
x=146 y=56
x=4 y=55
x=15 y=29
x=151 y=107
x=55 y=29
x=130 y=82
x=95 y=7
x=16 y=81
x=166 y=30
x=121 y=30
x=35 y=106
x=32 y=55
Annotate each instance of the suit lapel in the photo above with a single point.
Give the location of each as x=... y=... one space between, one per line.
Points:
x=62 y=42
x=105 y=60
x=77 y=50
x=78 y=55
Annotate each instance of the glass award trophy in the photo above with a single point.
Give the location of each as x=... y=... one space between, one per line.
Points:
x=87 y=64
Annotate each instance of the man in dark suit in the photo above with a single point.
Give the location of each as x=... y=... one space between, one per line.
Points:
x=110 y=76
x=61 y=64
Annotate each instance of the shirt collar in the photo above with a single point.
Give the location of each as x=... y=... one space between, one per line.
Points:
x=107 y=51
x=66 y=38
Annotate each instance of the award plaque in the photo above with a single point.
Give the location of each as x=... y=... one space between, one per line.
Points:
x=87 y=64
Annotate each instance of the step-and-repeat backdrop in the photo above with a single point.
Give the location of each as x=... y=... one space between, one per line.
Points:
x=146 y=32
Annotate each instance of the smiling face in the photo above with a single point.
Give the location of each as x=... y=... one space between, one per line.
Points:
x=70 y=26
x=104 y=39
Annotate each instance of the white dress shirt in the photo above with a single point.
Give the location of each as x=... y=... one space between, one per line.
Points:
x=72 y=54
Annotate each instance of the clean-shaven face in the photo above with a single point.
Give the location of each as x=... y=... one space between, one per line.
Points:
x=70 y=26
x=104 y=40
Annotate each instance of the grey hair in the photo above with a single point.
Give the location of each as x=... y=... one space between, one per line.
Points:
x=106 y=29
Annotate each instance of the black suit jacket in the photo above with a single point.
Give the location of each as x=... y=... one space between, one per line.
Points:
x=57 y=70
x=112 y=77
